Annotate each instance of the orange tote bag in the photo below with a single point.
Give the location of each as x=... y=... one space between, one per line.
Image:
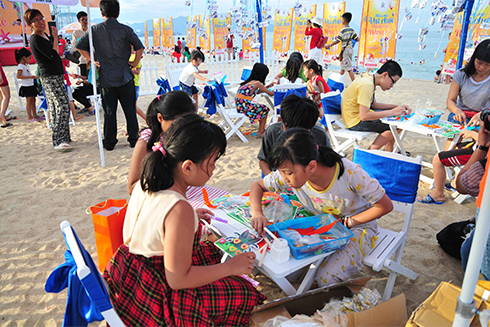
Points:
x=108 y=218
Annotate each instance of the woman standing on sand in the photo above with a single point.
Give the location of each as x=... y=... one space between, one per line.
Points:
x=45 y=51
x=5 y=98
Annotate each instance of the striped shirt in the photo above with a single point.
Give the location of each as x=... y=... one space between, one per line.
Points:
x=346 y=35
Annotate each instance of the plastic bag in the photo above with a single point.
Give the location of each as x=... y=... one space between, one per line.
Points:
x=301 y=240
x=230 y=201
x=278 y=211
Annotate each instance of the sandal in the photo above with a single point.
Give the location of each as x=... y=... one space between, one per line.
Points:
x=6 y=125
x=32 y=120
x=63 y=147
x=449 y=187
x=11 y=118
x=429 y=200
x=78 y=118
x=91 y=113
x=83 y=110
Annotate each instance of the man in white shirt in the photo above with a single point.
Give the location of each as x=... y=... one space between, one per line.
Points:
x=77 y=34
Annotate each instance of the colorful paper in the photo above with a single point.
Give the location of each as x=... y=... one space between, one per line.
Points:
x=168 y=33
x=239 y=243
x=192 y=23
x=204 y=33
x=156 y=33
x=220 y=32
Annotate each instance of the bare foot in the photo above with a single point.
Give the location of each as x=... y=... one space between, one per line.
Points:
x=260 y=134
x=78 y=117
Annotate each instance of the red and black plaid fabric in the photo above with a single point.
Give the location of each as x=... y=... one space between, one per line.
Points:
x=141 y=296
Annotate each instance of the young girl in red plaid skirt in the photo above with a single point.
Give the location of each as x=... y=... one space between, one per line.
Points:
x=162 y=274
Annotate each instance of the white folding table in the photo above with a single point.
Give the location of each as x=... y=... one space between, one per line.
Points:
x=407 y=126
x=276 y=272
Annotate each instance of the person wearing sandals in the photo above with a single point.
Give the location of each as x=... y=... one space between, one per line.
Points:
x=84 y=89
x=5 y=99
x=28 y=90
x=45 y=51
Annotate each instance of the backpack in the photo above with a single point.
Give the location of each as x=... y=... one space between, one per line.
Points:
x=321 y=43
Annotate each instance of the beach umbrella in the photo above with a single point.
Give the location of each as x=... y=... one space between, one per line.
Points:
x=70 y=28
x=87 y=4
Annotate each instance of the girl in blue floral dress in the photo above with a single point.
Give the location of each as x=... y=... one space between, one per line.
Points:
x=246 y=93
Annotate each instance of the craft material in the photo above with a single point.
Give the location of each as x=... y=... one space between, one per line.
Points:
x=271 y=234
x=205 y=197
x=244 y=242
x=263 y=250
x=251 y=281
x=221 y=220
x=280 y=251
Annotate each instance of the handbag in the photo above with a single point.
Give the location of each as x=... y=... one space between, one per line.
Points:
x=451 y=237
x=73 y=55
x=108 y=218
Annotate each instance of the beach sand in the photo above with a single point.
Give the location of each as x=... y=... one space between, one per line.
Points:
x=41 y=188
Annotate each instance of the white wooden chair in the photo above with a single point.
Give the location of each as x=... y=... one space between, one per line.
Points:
x=231 y=119
x=91 y=282
x=333 y=117
x=173 y=76
x=399 y=175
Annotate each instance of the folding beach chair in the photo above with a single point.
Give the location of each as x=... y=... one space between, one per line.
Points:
x=332 y=115
x=283 y=90
x=399 y=175
x=216 y=99
x=336 y=82
x=88 y=299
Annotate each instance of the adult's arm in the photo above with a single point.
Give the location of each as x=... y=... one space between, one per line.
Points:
x=137 y=58
x=83 y=46
x=40 y=46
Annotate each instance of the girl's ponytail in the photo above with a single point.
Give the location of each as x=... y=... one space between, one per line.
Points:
x=312 y=64
x=20 y=53
x=328 y=157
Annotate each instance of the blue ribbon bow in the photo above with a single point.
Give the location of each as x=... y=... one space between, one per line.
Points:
x=164 y=86
x=214 y=93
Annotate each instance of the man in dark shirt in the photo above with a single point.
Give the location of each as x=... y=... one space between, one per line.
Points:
x=112 y=45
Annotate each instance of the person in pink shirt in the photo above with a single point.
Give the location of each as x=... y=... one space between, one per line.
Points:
x=314 y=29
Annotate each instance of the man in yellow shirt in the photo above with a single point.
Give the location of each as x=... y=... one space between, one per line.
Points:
x=358 y=100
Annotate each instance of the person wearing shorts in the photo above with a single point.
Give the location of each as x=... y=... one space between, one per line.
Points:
x=190 y=73
x=358 y=100
x=347 y=36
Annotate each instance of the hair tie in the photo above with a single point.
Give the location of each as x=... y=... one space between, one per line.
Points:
x=159 y=97
x=159 y=146
x=317 y=147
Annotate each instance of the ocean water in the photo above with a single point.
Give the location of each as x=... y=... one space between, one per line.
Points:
x=407 y=53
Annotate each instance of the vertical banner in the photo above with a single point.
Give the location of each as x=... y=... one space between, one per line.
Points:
x=363 y=31
x=301 y=41
x=156 y=32
x=247 y=42
x=220 y=32
x=205 y=42
x=168 y=33
x=332 y=24
x=146 y=35
x=480 y=27
x=192 y=23
x=283 y=25
x=379 y=26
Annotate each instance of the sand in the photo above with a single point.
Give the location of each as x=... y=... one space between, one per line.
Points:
x=41 y=188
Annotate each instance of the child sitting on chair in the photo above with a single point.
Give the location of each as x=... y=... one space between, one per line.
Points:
x=246 y=93
x=288 y=71
x=316 y=84
x=188 y=76
x=295 y=112
x=163 y=274
x=325 y=182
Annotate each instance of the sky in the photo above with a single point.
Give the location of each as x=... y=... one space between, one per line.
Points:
x=134 y=11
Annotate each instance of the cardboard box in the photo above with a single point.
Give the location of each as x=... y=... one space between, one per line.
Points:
x=307 y=303
x=439 y=308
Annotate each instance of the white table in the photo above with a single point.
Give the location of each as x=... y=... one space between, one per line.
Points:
x=407 y=126
x=276 y=272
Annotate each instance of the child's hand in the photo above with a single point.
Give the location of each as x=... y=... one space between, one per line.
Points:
x=242 y=263
x=205 y=71
x=398 y=111
x=205 y=214
x=258 y=223
x=408 y=109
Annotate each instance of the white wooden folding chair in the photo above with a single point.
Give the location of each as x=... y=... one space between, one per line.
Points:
x=283 y=90
x=399 y=175
x=94 y=289
x=333 y=117
x=173 y=76
x=231 y=119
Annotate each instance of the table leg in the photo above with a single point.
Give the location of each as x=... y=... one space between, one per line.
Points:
x=310 y=276
x=283 y=283
x=398 y=139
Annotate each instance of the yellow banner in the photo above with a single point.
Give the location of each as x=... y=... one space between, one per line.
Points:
x=482 y=20
x=168 y=33
x=378 y=31
x=192 y=32
x=220 y=32
x=156 y=32
x=246 y=43
x=283 y=25
x=146 y=35
x=205 y=42
x=301 y=41
x=332 y=24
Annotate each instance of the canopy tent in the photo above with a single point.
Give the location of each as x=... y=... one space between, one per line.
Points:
x=87 y=4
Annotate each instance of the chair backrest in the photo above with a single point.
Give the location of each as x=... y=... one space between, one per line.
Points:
x=89 y=276
x=173 y=78
x=246 y=72
x=283 y=90
x=336 y=82
x=399 y=175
